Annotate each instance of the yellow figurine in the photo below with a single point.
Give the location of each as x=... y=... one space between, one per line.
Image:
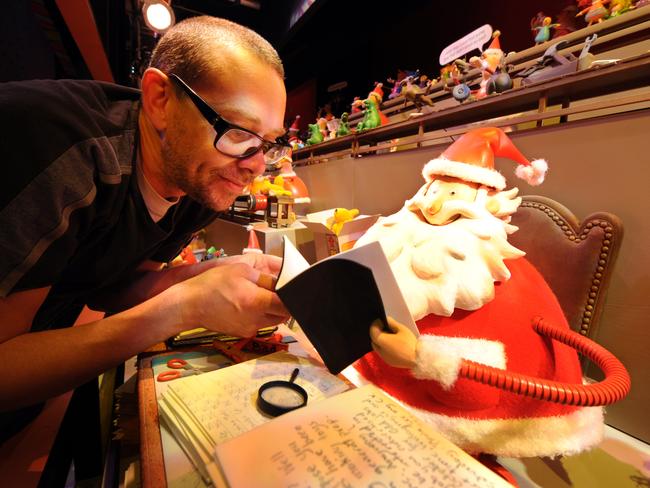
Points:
x=341 y=216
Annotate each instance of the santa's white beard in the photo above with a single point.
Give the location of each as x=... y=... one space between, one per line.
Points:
x=443 y=267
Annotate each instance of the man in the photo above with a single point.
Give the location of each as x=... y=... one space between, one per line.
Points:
x=104 y=184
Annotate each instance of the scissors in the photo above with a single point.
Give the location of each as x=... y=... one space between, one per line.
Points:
x=179 y=368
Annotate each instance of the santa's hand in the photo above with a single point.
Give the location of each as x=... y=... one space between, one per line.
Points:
x=397 y=347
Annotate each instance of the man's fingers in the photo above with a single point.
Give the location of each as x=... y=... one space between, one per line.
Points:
x=270 y=303
x=273 y=263
x=266 y=281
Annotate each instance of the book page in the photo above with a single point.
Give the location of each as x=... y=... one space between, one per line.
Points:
x=370 y=255
x=293 y=263
x=219 y=405
x=361 y=438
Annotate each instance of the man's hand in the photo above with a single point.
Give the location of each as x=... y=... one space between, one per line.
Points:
x=232 y=298
x=396 y=348
x=262 y=262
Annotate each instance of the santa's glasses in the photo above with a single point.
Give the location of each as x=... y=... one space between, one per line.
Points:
x=231 y=139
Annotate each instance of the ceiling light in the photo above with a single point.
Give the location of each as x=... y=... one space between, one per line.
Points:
x=158 y=15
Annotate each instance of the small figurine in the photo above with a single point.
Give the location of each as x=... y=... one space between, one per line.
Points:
x=295 y=141
x=321 y=122
x=287 y=178
x=544 y=30
x=332 y=127
x=213 y=253
x=340 y=217
x=456 y=72
x=315 y=135
x=495 y=79
x=596 y=12
x=424 y=82
x=413 y=93
x=371 y=118
x=537 y=21
x=378 y=92
x=395 y=90
x=619 y=7
x=344 y=126
x=253 y=246
x=357 y=105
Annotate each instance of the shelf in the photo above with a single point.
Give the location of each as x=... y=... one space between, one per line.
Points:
x=624 y=75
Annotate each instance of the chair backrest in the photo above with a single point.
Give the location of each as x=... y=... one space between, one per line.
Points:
x=576 y=258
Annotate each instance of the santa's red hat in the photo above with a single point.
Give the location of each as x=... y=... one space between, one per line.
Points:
x=253 y=244
x=294 y=127
x=471 y=158
x=495 y=44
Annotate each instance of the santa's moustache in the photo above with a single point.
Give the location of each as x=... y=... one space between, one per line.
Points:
x=443 y=267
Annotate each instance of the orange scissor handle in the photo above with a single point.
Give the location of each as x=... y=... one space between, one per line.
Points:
x=168 y=375
x=177 y=363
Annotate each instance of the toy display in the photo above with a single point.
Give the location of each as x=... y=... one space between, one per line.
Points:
x=414 y=93
x=544 y=30
x=552 y=64
x=371 y=118
x=293 y=138
x=315 y=135
x=619 y=7
x=321 y=122
x=475 y=299
x=344 y=126
x=357 y=105
x=332 y=128
x=595 y=12
x=340 y=217
x=491 y=62
x=537 y=21
x=253 y=246
x=455 y=73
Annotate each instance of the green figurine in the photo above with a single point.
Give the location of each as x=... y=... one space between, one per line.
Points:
x=371 y=117
x=344 y=126
x=316 y=136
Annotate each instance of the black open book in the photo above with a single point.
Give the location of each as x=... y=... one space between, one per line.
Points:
x=337 y=299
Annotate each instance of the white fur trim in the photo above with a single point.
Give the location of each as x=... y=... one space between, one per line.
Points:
x=464 y=171
x=534 y=173
x=438 y=357
x=564 y=435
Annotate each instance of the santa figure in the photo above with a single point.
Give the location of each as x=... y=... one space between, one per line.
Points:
x=474 y=297
x=490 y=63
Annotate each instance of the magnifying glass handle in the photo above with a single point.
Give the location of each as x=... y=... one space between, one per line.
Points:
x=294 y=375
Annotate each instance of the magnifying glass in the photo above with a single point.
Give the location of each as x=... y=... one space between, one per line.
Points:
x=277 y=397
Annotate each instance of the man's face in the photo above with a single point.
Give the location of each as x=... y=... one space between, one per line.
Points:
x=251 y=96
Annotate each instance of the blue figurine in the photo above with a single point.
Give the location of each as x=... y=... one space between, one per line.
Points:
x=544 y=30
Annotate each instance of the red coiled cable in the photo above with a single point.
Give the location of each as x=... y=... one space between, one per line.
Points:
x=613 y=388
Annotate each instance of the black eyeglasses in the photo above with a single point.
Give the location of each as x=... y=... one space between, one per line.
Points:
x=232 y=140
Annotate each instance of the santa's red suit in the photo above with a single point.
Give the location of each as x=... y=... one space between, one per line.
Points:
x=484 y=419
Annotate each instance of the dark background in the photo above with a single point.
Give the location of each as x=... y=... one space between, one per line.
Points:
x=356 y=41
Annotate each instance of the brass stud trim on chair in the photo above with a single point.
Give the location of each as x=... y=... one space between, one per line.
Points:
x=584 y=232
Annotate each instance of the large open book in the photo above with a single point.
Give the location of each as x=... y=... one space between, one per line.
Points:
x=358 y=438
x=203 y=411
x=336 y=300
